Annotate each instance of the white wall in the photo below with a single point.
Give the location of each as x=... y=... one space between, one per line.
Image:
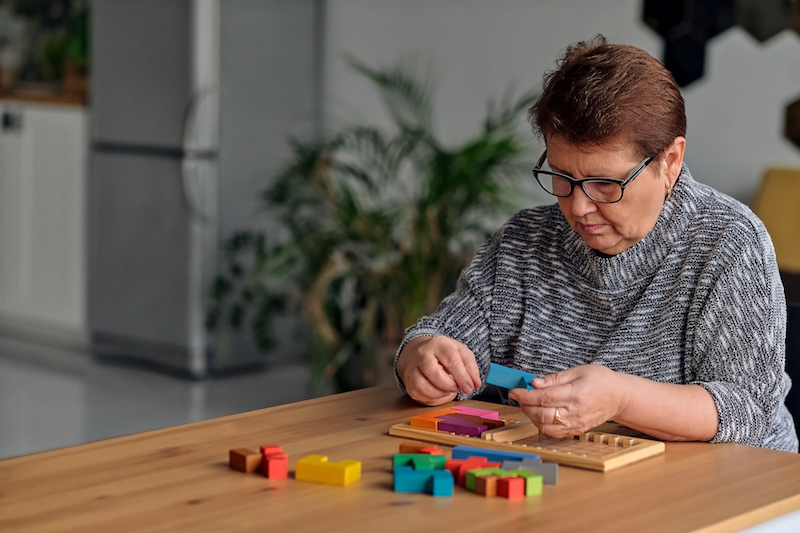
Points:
x=479 y=47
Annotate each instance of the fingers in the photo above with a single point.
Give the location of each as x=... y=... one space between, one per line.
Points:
x=434 y=369
x=447 y=363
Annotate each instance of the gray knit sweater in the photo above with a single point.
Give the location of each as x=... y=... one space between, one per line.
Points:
x=698 y=300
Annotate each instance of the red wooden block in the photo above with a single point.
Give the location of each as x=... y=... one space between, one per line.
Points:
x=454 y=465
x=276 y=466
x=472 y=463
x=431 y=450
x=511 y=487
x=244 y=460
x=267 y=449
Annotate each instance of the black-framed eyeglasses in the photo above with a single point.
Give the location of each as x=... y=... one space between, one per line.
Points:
x=603 y=190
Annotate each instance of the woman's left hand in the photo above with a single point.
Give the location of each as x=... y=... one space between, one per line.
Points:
x=583 y=397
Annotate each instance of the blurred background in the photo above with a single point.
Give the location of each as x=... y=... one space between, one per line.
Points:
x=211 y=206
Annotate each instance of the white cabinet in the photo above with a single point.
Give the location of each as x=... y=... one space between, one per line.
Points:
x=43 y=155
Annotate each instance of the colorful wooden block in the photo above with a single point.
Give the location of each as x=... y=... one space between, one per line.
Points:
x=511 y=487
x=317 y=469
x=432 y=450
x=472 y=475
x=436 y=482
x=267 y=449
x=464 y=452
x=275 y=465
x=548 y=471
x=478 y=421
x=430 y=420
x=420 y=461
x=460 y=426
x=533 y=482
x=509 y=378
x=473 y=463
x=483 y=413
x=486 y=485
x=244 y=460
x=413 y=447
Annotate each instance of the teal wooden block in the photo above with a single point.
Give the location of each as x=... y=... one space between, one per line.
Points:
x=509 y=378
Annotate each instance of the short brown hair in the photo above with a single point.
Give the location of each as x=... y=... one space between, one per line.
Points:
x=603 y=93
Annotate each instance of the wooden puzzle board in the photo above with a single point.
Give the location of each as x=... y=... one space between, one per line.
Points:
x=595 y=450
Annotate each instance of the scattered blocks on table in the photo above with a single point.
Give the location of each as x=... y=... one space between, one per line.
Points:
x=509 y=378
x=317 y=469
x=464 y=452
x=511 y=487
x=244 y=460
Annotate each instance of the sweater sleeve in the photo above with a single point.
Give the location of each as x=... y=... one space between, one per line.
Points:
x=464 y=314
x=739 y=348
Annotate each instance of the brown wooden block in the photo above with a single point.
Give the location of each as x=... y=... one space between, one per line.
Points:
x=244 y=460
x=486 y=485
x=413 y=447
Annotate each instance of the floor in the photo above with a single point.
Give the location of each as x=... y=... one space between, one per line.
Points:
x=54 y=397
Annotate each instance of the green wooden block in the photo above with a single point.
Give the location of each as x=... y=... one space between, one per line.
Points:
x=426 y=461
x=533 y=482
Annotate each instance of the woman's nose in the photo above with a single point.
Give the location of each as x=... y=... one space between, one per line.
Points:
x=580 y=204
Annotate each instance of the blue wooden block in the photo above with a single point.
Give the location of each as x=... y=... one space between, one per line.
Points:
x=436 y=482
x=509 y=378
x=497 y=456
x=443 y=483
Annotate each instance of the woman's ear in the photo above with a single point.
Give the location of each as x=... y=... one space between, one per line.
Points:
x=673 y=159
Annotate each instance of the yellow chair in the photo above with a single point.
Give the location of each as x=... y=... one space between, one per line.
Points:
x=778 y=206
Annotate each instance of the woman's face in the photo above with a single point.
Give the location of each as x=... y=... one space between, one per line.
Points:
x=613 y=228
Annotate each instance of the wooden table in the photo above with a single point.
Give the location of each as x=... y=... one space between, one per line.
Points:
x=177 y=479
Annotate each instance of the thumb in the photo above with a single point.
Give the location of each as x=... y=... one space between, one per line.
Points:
x=547 y=381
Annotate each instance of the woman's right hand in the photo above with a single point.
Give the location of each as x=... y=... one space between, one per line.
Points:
x=434 y=369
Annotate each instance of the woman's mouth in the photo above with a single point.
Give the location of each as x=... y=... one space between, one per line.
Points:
x=591 y=228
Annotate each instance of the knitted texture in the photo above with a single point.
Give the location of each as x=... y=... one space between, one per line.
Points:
x=697 y=301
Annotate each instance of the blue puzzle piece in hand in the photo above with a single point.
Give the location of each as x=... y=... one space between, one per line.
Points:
x=509 y=378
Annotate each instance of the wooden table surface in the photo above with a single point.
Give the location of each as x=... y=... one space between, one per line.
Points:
x=177 y=479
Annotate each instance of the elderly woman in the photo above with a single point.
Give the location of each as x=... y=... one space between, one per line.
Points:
x=642 y=297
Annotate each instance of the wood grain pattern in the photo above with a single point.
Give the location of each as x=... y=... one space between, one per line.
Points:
x=178 y=479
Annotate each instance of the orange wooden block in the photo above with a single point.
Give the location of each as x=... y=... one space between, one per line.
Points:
x=430 y=420
x=511 y=487
x=244 y=460
x=486 y=485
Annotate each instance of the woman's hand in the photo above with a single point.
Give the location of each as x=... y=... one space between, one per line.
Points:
x=434 y=369
x=583 y=396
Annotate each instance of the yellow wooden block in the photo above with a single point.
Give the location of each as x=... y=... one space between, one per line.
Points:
x=317 y=469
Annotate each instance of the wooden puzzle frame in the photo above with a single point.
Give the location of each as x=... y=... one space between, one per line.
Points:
x=598 y=449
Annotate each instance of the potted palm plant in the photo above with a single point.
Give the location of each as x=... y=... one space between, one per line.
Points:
x=379 y=225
